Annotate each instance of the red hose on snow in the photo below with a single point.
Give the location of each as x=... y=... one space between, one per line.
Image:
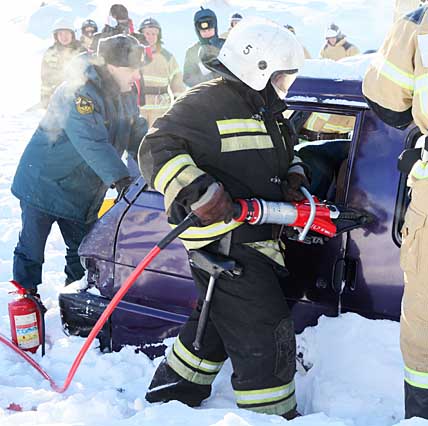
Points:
x=188 y=221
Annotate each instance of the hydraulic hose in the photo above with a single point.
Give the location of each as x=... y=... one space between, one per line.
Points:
x=188 y=221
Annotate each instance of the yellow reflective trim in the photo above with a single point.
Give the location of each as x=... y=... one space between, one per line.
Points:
x=170 y=169
x=226 y=127
x=184 y=371
x=155 y=79
x=338 y=129
x=183 y=179
x=195 y=361
x=310 y=123
x=210 y=231
x=242 y=143
x=419 y=170
x=251 y=395
x=395 y=74
x=279 y=408
x=416 y=378
x=154 y=107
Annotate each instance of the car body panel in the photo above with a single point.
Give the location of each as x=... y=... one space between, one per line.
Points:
x=356 y=271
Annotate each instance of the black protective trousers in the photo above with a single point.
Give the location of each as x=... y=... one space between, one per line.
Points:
x=249 y=323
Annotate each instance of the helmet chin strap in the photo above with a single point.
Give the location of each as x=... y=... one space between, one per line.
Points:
x=279 y=91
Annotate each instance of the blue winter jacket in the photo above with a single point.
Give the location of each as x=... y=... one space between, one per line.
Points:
x=75 y=153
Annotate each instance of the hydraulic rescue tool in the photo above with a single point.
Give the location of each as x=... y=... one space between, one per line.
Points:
x=303 y=219
x=300 y=218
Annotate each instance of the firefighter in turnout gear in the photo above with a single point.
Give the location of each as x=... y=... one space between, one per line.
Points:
x=324 y=126
x=88 y=30
x=396 y=87
x=222 y=140
x=57 y=58
x=163 y=80
x=336 y=46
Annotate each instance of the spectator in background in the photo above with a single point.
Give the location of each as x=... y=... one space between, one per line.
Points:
x=57 y=57
x=118 y=22
x=336 y=46
x=163 y=80
x=195 y=72
x=306 y=52
x=235 y=18
x=88 y=30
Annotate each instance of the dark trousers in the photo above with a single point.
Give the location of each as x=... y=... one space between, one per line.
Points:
x=29 y=253
x=249 y=323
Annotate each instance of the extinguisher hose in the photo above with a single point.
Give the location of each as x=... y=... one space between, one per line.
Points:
x=190 y=220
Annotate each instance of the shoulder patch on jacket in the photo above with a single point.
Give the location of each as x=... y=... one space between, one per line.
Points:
x=416 y=15
x=84 y=105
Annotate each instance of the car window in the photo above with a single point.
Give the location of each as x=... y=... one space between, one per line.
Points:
x=324 y=142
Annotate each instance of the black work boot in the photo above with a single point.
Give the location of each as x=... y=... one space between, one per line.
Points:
x=167 y=385
x=291 y=414
x=415 y=401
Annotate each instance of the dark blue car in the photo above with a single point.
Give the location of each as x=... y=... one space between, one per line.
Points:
x=357 y=271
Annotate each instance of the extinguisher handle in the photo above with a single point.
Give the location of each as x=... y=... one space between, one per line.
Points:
x=21 y=290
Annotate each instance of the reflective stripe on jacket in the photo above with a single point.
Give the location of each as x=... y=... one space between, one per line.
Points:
x=396 y=83
x=215 y=133
x=329 y=123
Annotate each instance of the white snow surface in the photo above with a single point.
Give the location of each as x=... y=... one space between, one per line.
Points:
x=356 y=368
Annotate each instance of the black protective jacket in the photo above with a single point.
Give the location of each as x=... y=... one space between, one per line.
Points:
x=220 y=131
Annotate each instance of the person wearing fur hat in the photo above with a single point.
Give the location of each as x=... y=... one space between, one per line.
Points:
x=57 y=57
x=336 y=46
x=75 y=155
x=118 y=22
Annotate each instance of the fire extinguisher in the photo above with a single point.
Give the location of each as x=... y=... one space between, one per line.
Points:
x=27 y=325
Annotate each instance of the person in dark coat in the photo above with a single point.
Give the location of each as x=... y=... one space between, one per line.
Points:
x=75 y=155
x=223 y=140
x=194 y=71
x=118 y=23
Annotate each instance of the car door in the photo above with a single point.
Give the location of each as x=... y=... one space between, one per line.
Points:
x=375 y=287
x=314 y=283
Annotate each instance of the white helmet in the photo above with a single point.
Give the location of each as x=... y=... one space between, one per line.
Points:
x=63 y=24
x=258 y=47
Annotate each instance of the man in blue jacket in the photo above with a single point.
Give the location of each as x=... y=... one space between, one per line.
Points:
x=75 y=155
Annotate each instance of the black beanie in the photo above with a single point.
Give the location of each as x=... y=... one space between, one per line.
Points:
x=119 y=12
x=121 y=50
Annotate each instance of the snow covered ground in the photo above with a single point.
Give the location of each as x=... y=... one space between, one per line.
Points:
x=356 y=369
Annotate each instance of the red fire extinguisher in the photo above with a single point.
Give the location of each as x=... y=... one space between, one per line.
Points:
x=26 y=320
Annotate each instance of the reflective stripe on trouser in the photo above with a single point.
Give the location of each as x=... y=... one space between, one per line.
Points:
x=190 y=366
x=414 y=262
x=249 y=322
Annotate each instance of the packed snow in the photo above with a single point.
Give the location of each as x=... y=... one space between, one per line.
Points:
x=354 y=366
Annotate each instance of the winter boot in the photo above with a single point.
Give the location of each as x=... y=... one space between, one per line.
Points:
x=415 y=401
x=291 y=414
x=167 y=385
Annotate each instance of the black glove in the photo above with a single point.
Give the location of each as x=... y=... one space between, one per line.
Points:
x=214 y=206
x=291 y=187
x=122 y=186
